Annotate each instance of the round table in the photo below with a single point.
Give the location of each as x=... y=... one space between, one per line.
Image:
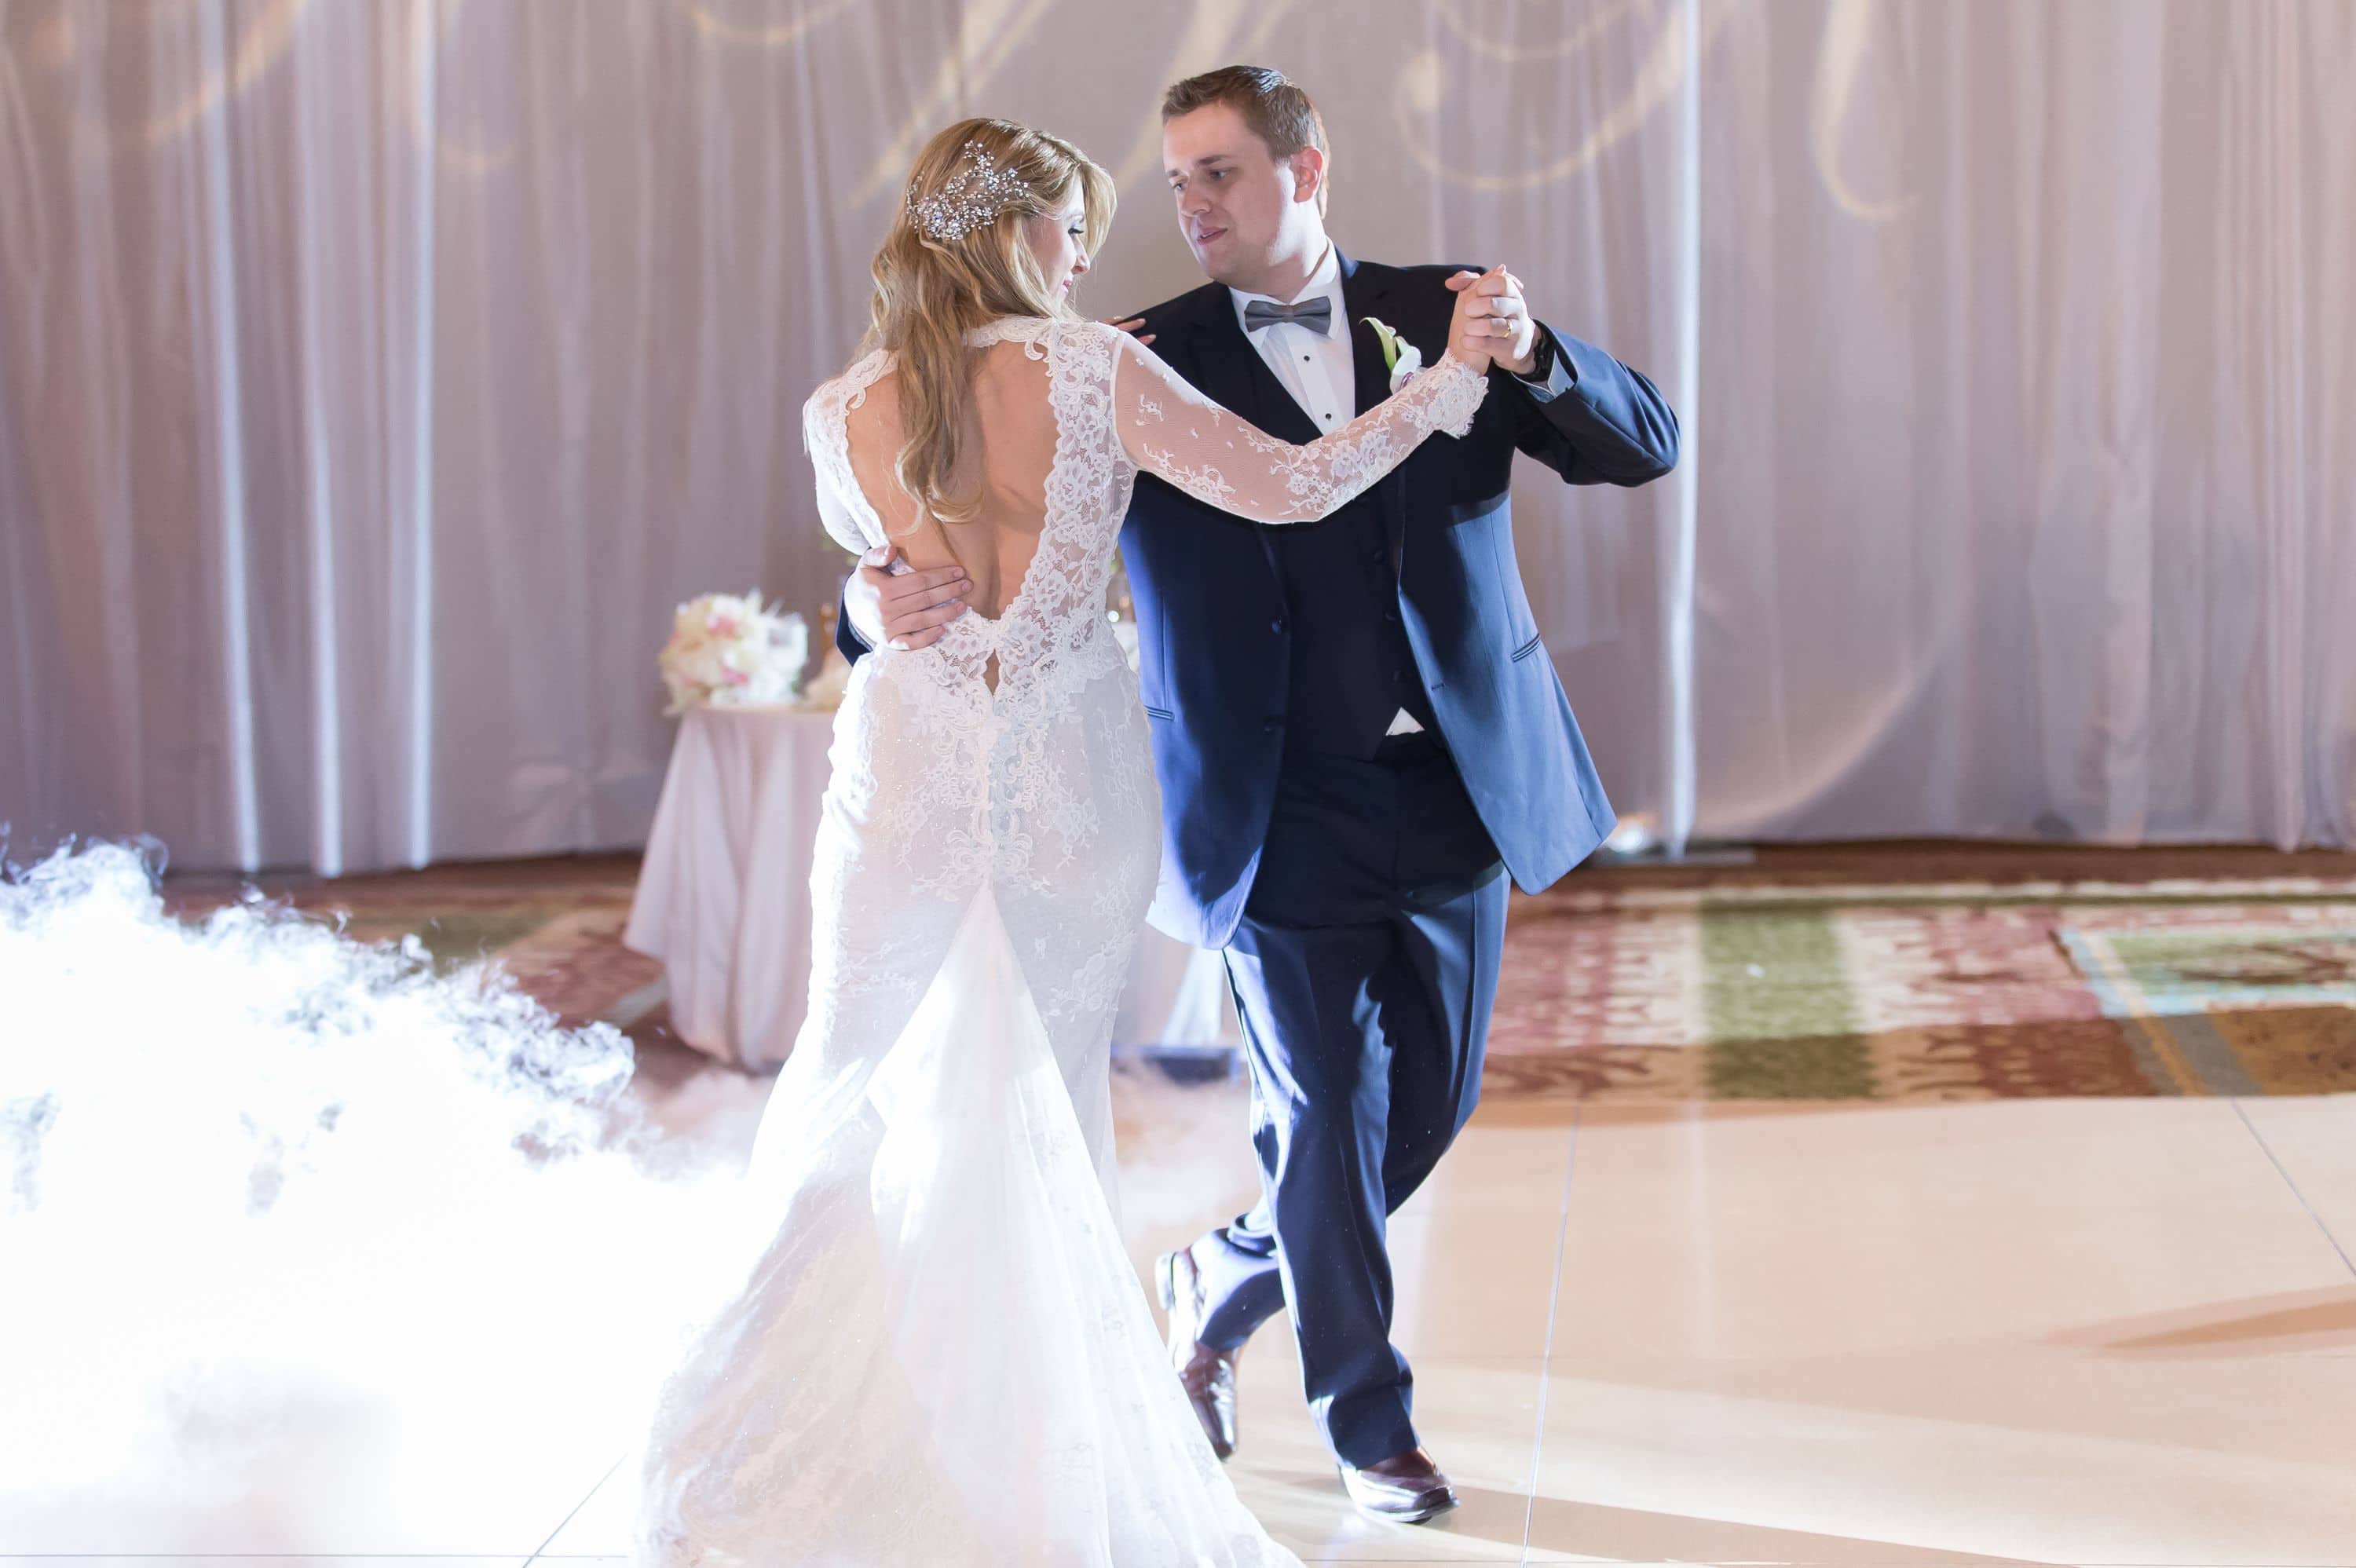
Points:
x=724 y=898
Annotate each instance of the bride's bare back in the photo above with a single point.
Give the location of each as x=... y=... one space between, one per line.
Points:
x=1008 y=452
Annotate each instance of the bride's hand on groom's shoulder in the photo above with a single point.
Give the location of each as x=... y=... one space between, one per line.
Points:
x=1130 y=327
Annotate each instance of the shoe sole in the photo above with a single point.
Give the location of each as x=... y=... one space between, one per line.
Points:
x=1166 y=1285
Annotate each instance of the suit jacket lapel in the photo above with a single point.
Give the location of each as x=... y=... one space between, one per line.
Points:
x=1363 y=291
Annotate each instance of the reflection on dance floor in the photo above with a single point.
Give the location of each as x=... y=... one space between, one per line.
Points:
x=2053 y=1328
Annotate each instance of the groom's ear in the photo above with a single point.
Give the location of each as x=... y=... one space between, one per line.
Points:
x=1309 y=177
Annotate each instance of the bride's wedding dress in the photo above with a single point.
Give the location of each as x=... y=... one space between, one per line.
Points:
x=940 y=1353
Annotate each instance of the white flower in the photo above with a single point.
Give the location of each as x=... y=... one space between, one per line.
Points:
x=1402 y=359
x=1410 y=361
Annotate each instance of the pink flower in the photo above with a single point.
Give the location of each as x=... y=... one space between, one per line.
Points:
x=723 y=625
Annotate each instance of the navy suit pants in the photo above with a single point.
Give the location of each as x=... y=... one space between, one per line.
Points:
x=1364 y=972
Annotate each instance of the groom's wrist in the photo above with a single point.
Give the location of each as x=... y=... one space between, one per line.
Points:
x=1548 y=375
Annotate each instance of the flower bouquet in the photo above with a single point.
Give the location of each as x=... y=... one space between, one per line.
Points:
x=728 y=650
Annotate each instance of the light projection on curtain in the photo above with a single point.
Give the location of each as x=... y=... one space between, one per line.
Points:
x=393 y=360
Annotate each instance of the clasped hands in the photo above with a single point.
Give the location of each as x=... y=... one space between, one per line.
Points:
x=1493 y=323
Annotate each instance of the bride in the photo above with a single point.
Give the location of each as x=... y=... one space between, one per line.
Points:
x=938 y=1352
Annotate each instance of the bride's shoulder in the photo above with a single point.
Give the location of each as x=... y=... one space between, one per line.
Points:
x=845 y=388
x=1090 y=337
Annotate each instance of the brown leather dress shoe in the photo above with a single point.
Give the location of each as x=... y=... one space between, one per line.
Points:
x=1407 y=1489
x=1207 y=1375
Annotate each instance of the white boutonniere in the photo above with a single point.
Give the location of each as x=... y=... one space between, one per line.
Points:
x=1400 y=357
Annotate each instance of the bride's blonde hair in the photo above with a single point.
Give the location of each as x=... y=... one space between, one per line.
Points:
x=933 y=287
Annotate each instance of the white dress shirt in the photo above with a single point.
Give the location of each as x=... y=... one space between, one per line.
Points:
x=1318 y=368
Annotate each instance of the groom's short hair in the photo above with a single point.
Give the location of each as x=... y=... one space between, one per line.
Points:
x=1272 y=107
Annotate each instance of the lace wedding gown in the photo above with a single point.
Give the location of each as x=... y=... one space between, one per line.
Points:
x=940 y=1353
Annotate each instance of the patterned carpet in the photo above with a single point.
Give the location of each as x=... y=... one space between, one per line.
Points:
x=1930 y=992
x=1781 y=982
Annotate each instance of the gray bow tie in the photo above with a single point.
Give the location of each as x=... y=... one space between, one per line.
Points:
x=1316 y=315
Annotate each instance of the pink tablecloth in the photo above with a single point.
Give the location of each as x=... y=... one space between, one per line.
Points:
x=724 y=897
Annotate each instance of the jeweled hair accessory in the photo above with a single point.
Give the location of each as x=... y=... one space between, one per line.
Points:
x=972 y=198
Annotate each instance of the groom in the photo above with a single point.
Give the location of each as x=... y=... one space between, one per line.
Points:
x=1359 y=736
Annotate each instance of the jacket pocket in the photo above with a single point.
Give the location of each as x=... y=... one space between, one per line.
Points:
x=1526 y=650
x=1153 y=713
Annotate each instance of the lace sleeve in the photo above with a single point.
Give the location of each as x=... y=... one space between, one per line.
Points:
x=1171 y=430
x=822 y=438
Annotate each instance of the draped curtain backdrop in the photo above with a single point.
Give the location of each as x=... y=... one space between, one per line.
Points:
x=375 y=377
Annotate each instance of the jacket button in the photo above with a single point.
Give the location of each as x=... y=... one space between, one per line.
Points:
x=1277 y=627
x=1391 y=614
x=1268 y=726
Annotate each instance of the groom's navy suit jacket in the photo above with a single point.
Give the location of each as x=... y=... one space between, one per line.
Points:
x=1219 y=669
